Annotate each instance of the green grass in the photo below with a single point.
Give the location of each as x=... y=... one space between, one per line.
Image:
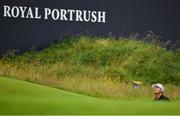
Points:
x=20 y=97
x=98 y=66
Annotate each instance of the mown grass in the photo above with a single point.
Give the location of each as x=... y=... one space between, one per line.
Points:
x=102 y=67
x=24 y=98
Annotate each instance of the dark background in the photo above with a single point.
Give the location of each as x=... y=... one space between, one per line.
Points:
x=124 y=17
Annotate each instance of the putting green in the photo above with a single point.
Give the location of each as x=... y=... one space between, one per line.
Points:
x=20 y=97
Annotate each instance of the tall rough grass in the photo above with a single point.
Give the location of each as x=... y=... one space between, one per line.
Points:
x=102 y=67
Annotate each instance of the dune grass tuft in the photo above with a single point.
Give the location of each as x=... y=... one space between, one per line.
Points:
x=103 y=67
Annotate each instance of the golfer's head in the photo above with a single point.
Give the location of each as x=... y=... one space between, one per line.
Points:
x=158 y=88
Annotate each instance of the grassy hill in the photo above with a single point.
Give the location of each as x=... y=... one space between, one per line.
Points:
x=20 y=97
x=103 y=67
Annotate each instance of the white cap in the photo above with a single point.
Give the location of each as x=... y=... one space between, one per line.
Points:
x=158 y=85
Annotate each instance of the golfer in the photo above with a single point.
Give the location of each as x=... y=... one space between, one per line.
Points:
x=158 y=90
